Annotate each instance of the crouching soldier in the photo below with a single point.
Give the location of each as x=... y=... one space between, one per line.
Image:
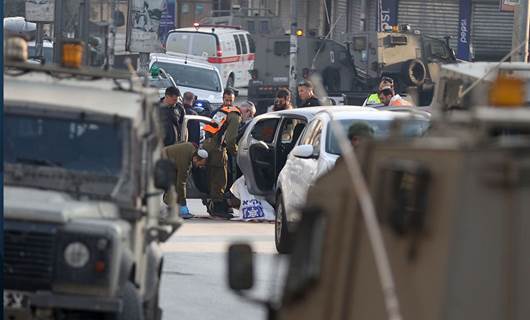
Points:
x=184 y=155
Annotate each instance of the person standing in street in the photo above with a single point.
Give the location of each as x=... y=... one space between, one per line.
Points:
x=185 y=155
x=221 y=137
x=171 y=115
x=306 y=95
x=194 y=133
x=283 y=100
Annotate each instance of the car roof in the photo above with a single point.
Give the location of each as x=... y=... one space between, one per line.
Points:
x=89 y=96
x=165 y=57
x=343 y=114
x=208 y=29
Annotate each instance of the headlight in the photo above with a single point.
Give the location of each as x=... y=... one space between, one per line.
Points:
x=76 y=255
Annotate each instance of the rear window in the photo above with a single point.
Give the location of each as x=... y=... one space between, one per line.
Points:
x=238 y=45
x=243 y=44
x=382 y=128
x=193 y=77
x=251 y=44
x=196 y=44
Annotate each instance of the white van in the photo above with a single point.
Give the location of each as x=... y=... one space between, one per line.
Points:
x=231 y=50
x=202 y=79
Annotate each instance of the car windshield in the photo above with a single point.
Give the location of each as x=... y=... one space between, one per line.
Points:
x=382 y=128
x=189 y=76
x=76 y=145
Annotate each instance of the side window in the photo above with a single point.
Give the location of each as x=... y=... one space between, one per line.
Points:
x=264 y=26
x=310 y=132
x=238 y=45
x=291 y=130
x=281 y=48
x=315 y=138
x=265 y=129
x=243 y=44
x=251 y=44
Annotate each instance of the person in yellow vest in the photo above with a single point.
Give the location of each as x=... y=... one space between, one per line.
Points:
x=221 y=137
x=374 y=97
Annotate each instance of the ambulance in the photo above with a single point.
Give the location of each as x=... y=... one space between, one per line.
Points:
x=231 y=50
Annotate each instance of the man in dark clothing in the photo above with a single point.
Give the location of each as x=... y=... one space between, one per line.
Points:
x=171 y=115
x=306 y=95
x=194 y=133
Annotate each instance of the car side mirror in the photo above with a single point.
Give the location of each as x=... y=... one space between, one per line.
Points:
x=165 y=174
x=240 y=267
x=119 y=18
x=304 y=151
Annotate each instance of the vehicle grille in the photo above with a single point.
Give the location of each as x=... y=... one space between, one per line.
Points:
x=29 y=256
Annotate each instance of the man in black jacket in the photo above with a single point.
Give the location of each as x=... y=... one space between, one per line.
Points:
x=194 y=133
x=171 y=115
x=306 y=95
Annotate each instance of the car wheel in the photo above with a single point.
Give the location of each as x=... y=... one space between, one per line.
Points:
x=282 y=238
x=230 y=82
x=132 y=308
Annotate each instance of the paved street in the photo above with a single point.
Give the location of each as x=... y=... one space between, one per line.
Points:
x=194 y=284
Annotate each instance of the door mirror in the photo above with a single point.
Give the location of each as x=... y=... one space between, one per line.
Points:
x=304 y=151
x=119 y=18
x=165 y=174
x=240 y=267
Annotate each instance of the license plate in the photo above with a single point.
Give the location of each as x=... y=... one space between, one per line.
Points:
x=15 y=300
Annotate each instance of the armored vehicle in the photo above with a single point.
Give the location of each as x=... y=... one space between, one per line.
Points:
x=423 y=228
x=82 y=190
x=410 y=58
x=328 y=58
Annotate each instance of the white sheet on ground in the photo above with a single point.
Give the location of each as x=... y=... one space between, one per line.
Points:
x=252 y=207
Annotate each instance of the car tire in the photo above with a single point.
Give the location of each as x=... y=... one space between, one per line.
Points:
x=230 y=82
x=132 y=308
x=282 y=237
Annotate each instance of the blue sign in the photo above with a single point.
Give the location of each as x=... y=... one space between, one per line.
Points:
x=388 y=14
x=464 y=31
x=167 y=20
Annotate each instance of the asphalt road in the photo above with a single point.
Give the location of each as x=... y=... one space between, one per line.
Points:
x=194 y=284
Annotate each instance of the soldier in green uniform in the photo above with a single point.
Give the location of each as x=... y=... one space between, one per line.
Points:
x=221 y=136
x=184 y=155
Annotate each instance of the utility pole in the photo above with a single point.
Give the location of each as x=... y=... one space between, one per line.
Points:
x=521 y=26
x=293 y=50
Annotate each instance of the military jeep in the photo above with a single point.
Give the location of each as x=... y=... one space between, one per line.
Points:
x=82 y=190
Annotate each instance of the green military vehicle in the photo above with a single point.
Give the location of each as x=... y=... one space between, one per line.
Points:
x=423 y=228
x=410 y=58
x=82 y=189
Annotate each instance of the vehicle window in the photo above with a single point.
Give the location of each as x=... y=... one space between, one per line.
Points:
x=238 y=45
x=281 y=48
x=264 y=27
x=291 y=130
x=243 y=44
x=159 y=83
x=436 y=49
x=198 y=44
x=189 y=76
x=315 y=138
x=78 y=145
x=309 y=133
x=251 y=27
x=382 y=128
x=251 y=44
x=265 y=129
x=47 y=53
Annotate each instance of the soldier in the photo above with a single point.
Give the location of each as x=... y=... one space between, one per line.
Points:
x=184 y=155
x=221 y=136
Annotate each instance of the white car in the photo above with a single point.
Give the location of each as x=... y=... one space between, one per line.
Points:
x=316 y=152
x=201 y=79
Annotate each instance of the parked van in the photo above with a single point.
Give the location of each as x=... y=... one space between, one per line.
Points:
x=202 y=79
x=231 y=50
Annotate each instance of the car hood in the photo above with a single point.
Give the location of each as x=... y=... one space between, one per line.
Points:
x=51 y=206
x=211 y=96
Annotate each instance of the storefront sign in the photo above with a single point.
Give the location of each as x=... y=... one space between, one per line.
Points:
x=388 y=14
x=464 y=31
x=144 y=25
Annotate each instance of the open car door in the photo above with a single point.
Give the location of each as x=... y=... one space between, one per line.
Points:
x=257 y=156
x=197 y=185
